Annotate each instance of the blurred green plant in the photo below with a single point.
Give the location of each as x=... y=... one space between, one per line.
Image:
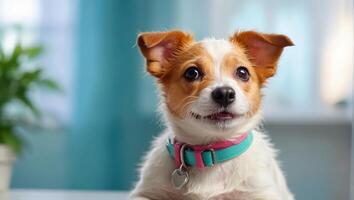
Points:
x=17 y=81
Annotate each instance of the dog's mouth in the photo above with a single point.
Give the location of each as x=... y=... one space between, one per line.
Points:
x=222 y=116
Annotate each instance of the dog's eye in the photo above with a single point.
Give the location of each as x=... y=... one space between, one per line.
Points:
x=192 y=74
x=243 y=73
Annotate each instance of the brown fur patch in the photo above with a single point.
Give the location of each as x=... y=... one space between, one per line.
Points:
x=178 y=92
x=263 y=50
x=159 y=47
x=251 y=88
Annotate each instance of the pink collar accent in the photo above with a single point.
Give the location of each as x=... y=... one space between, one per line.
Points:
x=198 y=149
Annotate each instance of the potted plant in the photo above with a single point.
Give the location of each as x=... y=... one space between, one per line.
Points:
x=19 y=75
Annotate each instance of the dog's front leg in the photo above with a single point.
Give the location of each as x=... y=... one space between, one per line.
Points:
x=268 y=186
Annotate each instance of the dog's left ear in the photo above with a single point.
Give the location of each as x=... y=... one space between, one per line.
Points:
x=159 y=47
x=263 y=50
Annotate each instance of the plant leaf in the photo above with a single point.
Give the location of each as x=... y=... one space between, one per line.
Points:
x=50 y=84
x=33 y=52
x=27 y=102
x=2 y=55
x=11 y=139
x=13 y=62
x=30 y=76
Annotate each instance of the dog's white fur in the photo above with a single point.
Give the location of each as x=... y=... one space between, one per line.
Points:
x=253 y=175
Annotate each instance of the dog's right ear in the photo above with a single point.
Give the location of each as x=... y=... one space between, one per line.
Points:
x=159 y=48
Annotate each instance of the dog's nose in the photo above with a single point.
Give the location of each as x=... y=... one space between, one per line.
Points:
x=223 y=96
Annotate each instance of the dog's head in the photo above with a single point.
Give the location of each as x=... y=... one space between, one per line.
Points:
x=211 y=88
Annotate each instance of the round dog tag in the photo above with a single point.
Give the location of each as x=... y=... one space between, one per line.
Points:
x=179 y=178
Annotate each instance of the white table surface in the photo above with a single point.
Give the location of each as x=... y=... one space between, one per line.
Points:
x=62 y=195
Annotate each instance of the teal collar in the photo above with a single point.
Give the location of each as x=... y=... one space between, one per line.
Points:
x=202 y=156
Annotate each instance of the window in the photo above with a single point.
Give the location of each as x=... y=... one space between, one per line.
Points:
x=49 y=23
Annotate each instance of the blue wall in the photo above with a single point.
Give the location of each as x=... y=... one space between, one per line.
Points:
x=109 y=129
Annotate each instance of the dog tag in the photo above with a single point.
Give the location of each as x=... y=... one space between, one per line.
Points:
x=179 y=178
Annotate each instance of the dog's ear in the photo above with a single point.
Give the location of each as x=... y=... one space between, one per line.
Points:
x=159 y=48
x=263 y=50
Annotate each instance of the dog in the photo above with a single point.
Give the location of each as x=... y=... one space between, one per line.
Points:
x=212 y=147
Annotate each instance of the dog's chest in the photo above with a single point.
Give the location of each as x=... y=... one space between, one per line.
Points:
x=233 y=195
x=219 y=182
